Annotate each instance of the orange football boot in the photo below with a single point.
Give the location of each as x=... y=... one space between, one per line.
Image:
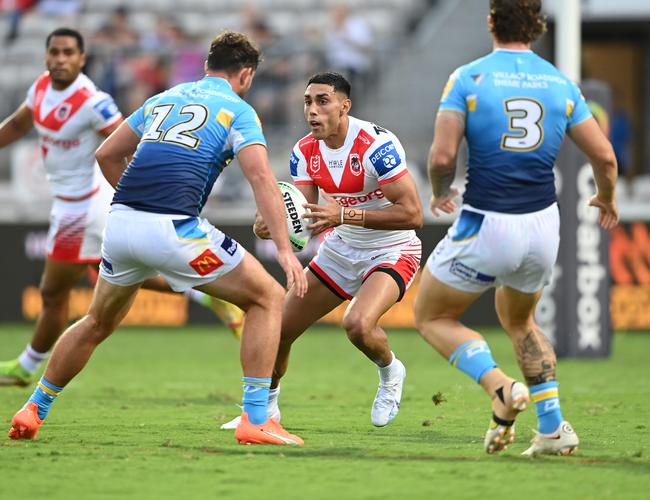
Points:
x=270 y=432
x=25 y=424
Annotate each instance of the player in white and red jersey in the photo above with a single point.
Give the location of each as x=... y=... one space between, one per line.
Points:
x=70 y=115
x=372 y=254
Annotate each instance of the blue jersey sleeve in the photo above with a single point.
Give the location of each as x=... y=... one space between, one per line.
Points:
x=136 y=120
x=580 y=109
x=246 y=130
x=453 y=96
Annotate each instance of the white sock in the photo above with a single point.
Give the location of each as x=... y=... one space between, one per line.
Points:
x=389 y=371
x=196 y=296
x=31 y=360
x=272 y=406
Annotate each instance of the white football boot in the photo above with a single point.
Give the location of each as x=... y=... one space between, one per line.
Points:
x=501 y=432
x=563 y=441
x=389 y=394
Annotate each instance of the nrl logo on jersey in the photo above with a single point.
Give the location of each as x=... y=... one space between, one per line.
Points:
x=63 y=112
x=315 y=163
x=355 y=164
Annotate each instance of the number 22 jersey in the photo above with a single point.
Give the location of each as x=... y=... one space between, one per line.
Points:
x=517 y=109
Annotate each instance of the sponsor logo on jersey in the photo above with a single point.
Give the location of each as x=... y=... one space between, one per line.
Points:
x=355 y=164
x=229 y=245
x=63 y=112
x=62 y=143
x=363 y=138
x=315 y=163
x=478 y=78
x=206 y=263
x=293 y=164
x=385 y=158
x=333 y=164
x=106 y=108
x=350 y=201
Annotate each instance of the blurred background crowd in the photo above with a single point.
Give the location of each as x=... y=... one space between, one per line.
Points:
x=397 y=54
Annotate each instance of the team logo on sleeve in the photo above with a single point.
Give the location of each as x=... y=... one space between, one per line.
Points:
x=63 y=111
x=106 y=108
x=385 y=158
x=293 y=164
x=355 y=164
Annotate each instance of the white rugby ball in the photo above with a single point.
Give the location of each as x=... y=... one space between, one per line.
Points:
x=297 y=226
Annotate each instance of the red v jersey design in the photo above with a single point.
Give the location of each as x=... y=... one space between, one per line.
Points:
x=352 y=179
x=60 y=114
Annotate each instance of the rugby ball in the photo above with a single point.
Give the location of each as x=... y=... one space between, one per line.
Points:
x=297 y=226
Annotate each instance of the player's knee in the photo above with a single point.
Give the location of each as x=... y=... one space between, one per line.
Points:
x=96 y=328
x=357 y=326
x=54 y=297
x=273 y=296
x=426 y=318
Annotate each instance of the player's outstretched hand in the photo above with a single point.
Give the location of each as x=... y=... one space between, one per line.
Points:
x=259 y=228
x=293 y=269
x=323 y=216
x=445 y=203
x=608 y=217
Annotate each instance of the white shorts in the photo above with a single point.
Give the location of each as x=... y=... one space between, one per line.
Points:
x=75 y=233
x=186 y=251
x=485 y=249
x=343 y=268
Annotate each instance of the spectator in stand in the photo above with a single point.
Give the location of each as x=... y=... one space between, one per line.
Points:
x=270 y=96
x=348 y=46
x=114 y=45
x=15 y=9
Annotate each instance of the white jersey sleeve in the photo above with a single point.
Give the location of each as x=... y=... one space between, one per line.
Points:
x=386 y=158
x=298 y=167
x=103 y=112
x=29 y=99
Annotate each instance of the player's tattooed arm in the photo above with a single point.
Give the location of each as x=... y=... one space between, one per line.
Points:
x=536 y=357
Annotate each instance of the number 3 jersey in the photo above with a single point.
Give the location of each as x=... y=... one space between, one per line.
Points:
x=517 y=109
x=67 y=122
x=353 y=174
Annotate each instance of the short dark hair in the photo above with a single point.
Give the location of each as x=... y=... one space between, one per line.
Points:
x=517 y=20
x=336 y=80
x=66 y=32
x=231 y=51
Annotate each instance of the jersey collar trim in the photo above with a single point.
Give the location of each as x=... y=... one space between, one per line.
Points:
x=218 y=80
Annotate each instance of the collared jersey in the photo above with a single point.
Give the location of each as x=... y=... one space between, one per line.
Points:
x=67 y=122
x=517 y=109
x=188 y=135
x=353 y=174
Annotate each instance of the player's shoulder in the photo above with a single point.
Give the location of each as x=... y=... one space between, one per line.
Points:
x=471 y=67
x=42 y=79
x=370 y=131
x=305 y=142
x=546 y=66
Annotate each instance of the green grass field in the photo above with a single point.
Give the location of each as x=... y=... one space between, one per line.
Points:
x=142 y=421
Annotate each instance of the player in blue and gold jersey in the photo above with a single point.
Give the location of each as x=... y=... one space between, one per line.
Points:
x=180 y=141
x=514 y=108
